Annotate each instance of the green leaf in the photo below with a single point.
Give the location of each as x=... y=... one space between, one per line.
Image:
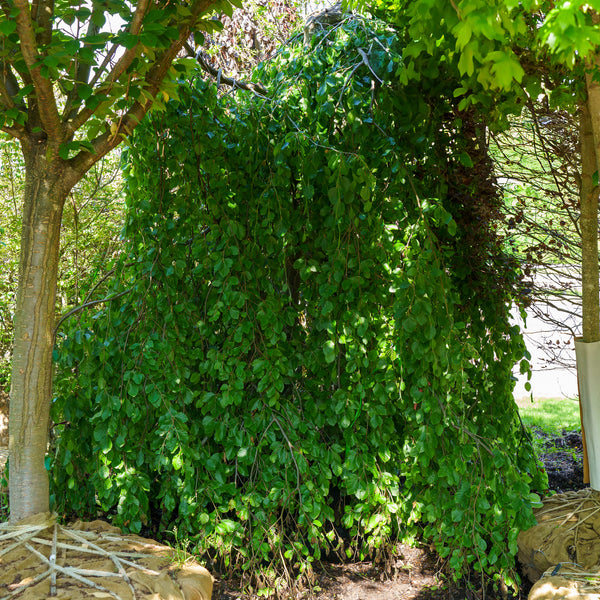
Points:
x=329 y=351
x=465 y=63
x=463 y=32
x=177 y=461
x=84 y=91
x=465 y=159
x=7 y=27
x=506 y=69
x=409 y=324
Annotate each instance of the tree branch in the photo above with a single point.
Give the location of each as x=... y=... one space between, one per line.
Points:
x=9 y=88
x=102 y=68
x=122 y=65
x=257 y=88
x=9 y=85
x=87 y=305
x=125 y=61
x=82 y=71
x=110 y=139
x=16 y=131
x=46 y=100
x=44 y=17
x=6 y=98
x=6 y=7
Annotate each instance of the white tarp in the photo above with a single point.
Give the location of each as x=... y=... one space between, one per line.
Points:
x=588 y=373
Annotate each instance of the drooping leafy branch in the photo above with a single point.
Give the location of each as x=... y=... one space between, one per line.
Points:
x=521 y=50
x=316 y=353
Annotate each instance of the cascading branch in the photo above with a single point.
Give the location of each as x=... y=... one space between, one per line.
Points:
x=300 y=365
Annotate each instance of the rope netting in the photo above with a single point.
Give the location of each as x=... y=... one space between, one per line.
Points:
x=40 y=558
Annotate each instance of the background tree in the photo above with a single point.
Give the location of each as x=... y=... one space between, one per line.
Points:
x=517 y=50
x=90 y=239
x=251 y=34
x=75 y=81
x=538 y=165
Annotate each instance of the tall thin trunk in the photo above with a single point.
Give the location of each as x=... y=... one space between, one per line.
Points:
x=31 y=379
x=588 y=199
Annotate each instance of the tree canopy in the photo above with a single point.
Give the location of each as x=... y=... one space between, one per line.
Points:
x=81 y=77
x=520 y=49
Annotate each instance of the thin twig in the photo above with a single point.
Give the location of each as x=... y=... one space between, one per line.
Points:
x=365 y=59
x=53 y=563
x=87 y=305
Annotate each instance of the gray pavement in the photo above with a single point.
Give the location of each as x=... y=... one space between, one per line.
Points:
x=549 y=332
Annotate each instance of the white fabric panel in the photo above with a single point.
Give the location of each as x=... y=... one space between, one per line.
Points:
x=588 y=373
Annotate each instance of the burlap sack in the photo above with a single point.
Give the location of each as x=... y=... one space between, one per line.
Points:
x=567 y=582
x=568 y=531
x=92 y=560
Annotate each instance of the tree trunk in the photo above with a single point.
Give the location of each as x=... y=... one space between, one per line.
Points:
x=588 y=199
x=31 y=379
x=587 y=349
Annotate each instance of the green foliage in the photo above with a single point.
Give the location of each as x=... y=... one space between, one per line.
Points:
x=505 y=51
x=314 y=354
x=11 y=183
x=93 y=219
x=569 y=33
x=475 y=37
x=93 y=71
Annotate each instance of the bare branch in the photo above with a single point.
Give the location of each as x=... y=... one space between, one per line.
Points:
x=102 y=68
x=9 y=86
x=87 y=305
x=16 y=131
x=234 y=83
x=366 y=62
x=6 y=98
x=35 y=7
x=43 y=17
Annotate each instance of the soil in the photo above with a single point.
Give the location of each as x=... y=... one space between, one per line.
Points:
x=418 y=574
x=562 y=456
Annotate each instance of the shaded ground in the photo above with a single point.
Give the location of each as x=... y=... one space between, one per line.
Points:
x=418 y=574
x=562 y=456
x=415 y=575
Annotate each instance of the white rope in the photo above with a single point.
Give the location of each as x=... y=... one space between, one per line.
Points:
x=53 y=562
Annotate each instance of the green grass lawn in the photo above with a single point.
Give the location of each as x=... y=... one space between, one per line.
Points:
x=550 y=414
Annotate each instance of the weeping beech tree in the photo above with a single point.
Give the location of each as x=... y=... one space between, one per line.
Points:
x=75 y=80
x=313 y=353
